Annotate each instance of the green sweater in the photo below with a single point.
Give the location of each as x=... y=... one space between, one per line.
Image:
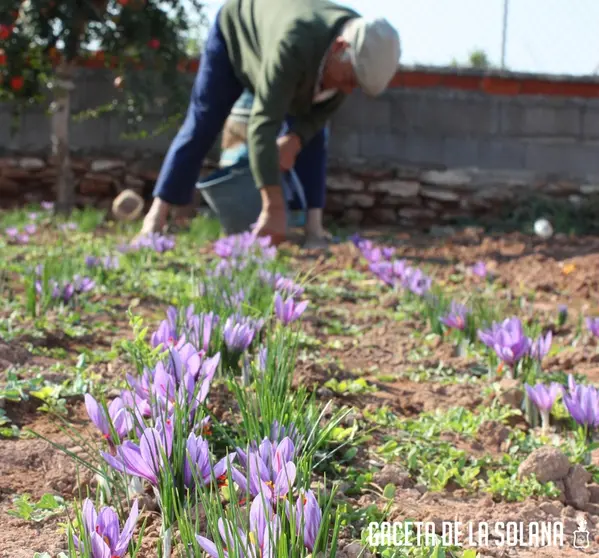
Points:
x=276 y=48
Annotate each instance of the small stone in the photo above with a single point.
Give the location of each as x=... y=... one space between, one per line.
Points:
x=446 y=178
x=393 y=474
x=360 y=200
x=356 y=550
x=577 y=493
x=353 y=216
x=324 y=392
x=551 y=508
x=589 y=188
x=421 y=488
x=106 y=165
x=547 y=463
x=31 y=163
x=594 y=493
x=345 y=183
x=400 y=188
x=416 y=213
x=439 y=194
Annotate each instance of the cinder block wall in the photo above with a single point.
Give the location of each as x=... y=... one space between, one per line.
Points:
x=436 y=146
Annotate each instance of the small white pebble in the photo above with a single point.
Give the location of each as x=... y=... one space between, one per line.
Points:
x=543 y=228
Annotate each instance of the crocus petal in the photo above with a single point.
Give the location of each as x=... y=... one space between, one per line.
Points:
x=209 y=547
x=96 y=414
x=99 y=548
x=90 y=516
x=127 y=533
x=285 y=479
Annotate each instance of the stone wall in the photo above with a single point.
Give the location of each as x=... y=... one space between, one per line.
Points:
x=435 y=147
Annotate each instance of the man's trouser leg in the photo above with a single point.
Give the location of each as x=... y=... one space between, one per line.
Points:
x=215 y=90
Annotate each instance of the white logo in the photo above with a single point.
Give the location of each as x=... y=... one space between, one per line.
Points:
x=581 y=535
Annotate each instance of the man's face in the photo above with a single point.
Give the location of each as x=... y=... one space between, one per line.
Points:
x=339 y=72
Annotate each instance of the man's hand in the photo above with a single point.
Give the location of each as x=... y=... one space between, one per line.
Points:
x=289 y=147
x=273 y=218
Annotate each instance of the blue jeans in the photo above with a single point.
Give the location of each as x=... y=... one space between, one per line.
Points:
x=214 y=92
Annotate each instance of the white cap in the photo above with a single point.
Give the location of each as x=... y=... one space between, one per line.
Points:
x=374 y=49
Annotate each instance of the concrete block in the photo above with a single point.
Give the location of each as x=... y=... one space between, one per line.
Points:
x=364 y=114
x=34 y=133
x=5 y=123
x=590 y=123
x=380 y=146
x=446 y=116
x=529 y=119
x=420 y=150
x=90 y=135
x=501 y=153
x=344 y=143
x=460 y=152
x=570 y=158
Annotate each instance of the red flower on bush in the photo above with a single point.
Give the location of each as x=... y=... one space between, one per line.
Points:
x=154 y=44
x=5 y=32
x=17 y=83
x=2 y=58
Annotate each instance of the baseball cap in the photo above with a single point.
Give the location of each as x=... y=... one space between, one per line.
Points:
x=374 y=50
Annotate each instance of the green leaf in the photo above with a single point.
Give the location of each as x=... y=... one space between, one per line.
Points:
x=389 y=491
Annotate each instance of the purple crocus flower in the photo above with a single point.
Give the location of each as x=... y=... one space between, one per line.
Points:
x=562 y=314
x=32 y=216
x=154 y=241
x=511 y=344
x=539 y=349
x=479 y=269
x=457 y=316
x=288 y=311
x=416 y=281
x=30 y=229
x=238 y=335
x=201 y=327
x=104 y=532
x=269 y=469
x=198 y=463
x=543 y=397
x=47 y=205
x=278 y=432
x=262 y=358
x=68 y=227
x=260 y=542
x=593 y=325
x=308 y=518
x=118 y=416
x=583 y=404
x=12 y=232
x=147 y=459
x=82 y=284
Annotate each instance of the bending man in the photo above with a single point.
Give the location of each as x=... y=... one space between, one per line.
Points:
x=300 y=60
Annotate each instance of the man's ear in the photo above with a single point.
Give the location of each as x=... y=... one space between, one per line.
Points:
x=339 y=45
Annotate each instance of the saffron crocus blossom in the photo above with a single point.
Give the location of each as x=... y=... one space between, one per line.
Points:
x=457 y=316
x=308 y=518
x=278 y=432
x=543 y=397
x=47 y=205
x=416 y=281
x=200 y=329
x=198 y=462
x=118 y=416
x=238 y=334
x=154 y=241
x=583 y=405
x=511 y=344
x=269 y=469
x=104 y=532
x=479 y=269
x=562 y=314
x=30 y=229
x=539 y=348
x=288 y=311
x=262 y=358
x=593 y=325
x=260 y=542
x=147 y=459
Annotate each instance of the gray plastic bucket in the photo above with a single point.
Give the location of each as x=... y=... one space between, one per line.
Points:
x=232 y=195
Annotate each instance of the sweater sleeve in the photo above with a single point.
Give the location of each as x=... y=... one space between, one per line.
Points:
x=306 y=127
x=279 y=79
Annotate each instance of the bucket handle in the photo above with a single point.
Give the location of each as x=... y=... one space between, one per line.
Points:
x=296 y=186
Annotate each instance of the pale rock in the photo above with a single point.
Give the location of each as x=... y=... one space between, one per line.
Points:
x=345 y=183
x=439 y=194
x=133 y=181
x=105 y=165
x=400 y=188
x=551 y=508
x=31 y=163
x=589 y=189
x=416 y=213
x=547 y=463
x=511 y=392
x=577 y=493
x=356 y=550
x=359 y=200
x=393 y=474
x=447 y=178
